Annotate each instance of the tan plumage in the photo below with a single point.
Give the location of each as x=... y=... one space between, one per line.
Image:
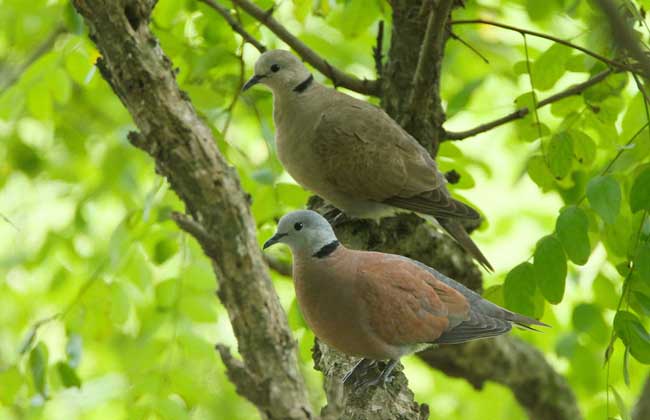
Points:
x=352 y=153
x=380 y=306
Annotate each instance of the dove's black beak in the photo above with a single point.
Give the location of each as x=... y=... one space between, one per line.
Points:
x=274 y=240
x=252 y=82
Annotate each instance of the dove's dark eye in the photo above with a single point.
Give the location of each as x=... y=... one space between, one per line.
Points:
x=297 y=226
x=275 y=68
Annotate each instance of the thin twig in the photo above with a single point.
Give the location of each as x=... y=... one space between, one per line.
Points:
x=40 y=50
x=364 y=86
x=377 y=50
x=545 y=36
x=8 y=220
x=235 y=25
x=522 y=112
x=452 y=35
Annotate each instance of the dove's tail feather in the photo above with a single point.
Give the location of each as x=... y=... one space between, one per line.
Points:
x=458 y=232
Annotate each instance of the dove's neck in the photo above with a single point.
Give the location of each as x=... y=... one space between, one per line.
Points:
x=296 y=103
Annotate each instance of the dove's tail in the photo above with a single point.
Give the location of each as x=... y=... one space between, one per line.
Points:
x=458 y=232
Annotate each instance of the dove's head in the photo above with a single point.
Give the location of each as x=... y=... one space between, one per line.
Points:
x=305 y=231
x=279 y=70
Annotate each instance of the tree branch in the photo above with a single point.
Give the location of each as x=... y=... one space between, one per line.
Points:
x=235 y=25
x=40 y=50
x=511 y=362
x=338 y=77
x=522 y=112
x=625 y=37
x=431 y=47
x=218 y=214
x=522 y=31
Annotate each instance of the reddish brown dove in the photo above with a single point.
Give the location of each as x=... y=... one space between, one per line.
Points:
x=352 y=153
x=380 y=306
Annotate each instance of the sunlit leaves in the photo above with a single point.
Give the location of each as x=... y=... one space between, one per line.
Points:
x=560 y=154
x=68 y=375
x=164 y=249
x=550 y=266
x=620 y=404
x=571 y=227
x=640 y=192
x=550 y=66
x=120 y=304
x=588 y=318
x=167 y=293
x=604 y=195
x=540 y=173
x=520 y=291
x=38 y=362
x=629 y=329
x=642 y=262
x=584 y=148
x=11 y=382
x=462 y=98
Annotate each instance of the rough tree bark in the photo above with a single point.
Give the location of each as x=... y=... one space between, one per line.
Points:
x=218 y=217
x=218 y=210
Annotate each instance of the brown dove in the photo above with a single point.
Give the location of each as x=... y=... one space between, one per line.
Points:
x=352 y=153
x=380 y=306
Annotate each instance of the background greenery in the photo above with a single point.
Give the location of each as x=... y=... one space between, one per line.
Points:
x=108 y=311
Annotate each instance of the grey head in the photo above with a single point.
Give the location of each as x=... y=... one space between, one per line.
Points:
x=305 y=231
x=280 y=70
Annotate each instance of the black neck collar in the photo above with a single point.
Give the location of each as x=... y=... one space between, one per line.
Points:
x=304 y=84
x=326 y=249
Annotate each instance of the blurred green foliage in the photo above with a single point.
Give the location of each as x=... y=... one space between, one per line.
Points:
x=108 y=311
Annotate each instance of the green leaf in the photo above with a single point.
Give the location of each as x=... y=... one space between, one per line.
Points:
x=551 y=269
x=38 y=366
x=640 y=192
x=68 y=375
x=540 y=173
x=11 y=382
x=294 y=316
x=550 y=66
x=167 y=293
x=571 y=227
x=584 y=148
x=462 y=98
x=519 y=290
x=560 y=155
x=633 y=334
x=291 y=195
x=588 y=318
x=566 y=345
x=620 y=403
x=120 y=305
x=640 y=303
x=199 y=308
x=604 y=195
x=494 y=294
x=642 y=263
x=566 y=106
x=164 y=249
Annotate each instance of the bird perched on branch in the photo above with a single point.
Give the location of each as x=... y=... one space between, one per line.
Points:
x=380 y=306
x=352 y=153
